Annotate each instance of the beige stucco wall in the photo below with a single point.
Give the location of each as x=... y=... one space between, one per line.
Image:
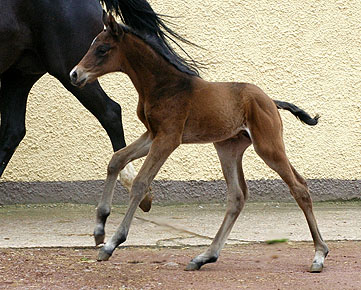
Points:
x=305 y=52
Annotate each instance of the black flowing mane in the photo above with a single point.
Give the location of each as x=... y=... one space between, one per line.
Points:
x=159 y=49
x=148 y=25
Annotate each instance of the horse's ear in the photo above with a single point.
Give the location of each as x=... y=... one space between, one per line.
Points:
x=113 y=25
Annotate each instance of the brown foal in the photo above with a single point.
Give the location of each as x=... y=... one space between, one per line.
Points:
x=178 y=107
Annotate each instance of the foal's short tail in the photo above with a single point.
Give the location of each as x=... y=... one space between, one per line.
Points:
x=299 y=113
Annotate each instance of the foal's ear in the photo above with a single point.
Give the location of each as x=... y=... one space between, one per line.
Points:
x=115 y=29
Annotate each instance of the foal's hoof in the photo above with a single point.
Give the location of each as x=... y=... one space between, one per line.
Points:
x=317 y=263
x=99 y=235
x=146 y=203
x=99 y=239
x=103 y=255
x=316 y=268
x=192 y=266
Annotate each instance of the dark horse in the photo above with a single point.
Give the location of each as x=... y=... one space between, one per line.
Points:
x=179 y=108
x=40 y=36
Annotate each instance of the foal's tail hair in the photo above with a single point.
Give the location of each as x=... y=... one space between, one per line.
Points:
x=299 y=113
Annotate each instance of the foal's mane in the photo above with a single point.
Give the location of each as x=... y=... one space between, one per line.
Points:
x=139 y=15
x=161 y=50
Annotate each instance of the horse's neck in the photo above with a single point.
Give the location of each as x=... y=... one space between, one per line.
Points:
x=144 y=66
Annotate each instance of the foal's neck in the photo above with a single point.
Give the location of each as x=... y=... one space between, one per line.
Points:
x=147 y=69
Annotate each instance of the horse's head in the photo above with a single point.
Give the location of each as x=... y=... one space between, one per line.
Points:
x=102 y=56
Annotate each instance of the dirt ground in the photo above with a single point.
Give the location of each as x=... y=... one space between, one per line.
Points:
x=247 y=266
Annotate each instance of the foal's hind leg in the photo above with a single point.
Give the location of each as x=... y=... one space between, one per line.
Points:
x=305 y=203
x=120 y=159
x=269 y=146
x=230 y=154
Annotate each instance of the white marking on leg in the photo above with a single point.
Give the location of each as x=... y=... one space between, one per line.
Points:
x=127 y=176
x=319 y=258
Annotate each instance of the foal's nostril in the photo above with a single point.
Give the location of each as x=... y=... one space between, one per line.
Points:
x=74 y=75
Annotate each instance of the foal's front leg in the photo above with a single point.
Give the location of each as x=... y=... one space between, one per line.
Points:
x=127 y=176
x=120 y=159
x=161 y=148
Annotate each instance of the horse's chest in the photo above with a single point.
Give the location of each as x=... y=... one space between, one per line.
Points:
x=146 y=115
x=163 y=113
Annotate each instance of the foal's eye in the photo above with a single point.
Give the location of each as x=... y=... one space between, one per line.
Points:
x=102 y=50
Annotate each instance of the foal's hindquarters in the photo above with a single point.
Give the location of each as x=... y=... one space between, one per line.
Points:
x=242 y=116
x=263 y=129
x=230 y=154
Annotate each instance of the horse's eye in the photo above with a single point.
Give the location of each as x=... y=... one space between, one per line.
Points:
x=102 y=50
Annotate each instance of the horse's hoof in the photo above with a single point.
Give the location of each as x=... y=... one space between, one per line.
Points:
x=99 y=239
x=103 y=255
x=146 y=203
x=192 y=266
x=316 y=268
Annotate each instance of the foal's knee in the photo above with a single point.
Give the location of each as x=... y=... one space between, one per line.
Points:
x=114 y=165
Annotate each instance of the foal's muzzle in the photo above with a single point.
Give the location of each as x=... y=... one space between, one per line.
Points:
x=78 y=77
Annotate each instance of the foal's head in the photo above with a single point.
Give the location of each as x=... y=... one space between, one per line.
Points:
x=102 y=56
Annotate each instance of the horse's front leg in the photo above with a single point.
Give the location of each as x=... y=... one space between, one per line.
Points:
x=120 y=159
x=161 y=148
x=14 y=92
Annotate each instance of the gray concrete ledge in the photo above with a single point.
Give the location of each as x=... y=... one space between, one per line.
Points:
x=170 y=191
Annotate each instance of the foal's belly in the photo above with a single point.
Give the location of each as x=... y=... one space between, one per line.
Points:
x=211 y=130
x=216 y=113
x=204 y=137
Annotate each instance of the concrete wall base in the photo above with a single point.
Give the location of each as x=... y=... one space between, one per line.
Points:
x=170 y=191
